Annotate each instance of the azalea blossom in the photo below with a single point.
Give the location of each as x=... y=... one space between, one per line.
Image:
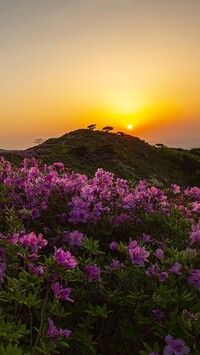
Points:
x=93 y=272
x=65 y=259
x=175 y=346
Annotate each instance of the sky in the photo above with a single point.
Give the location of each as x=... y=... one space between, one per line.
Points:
x=65 y=64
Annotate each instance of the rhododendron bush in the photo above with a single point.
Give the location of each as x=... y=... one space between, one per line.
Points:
x=96 y=266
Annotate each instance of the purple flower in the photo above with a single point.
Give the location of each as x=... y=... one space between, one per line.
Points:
x=146 y=238
x=175 y=268
x=76 y=238
x=64 y=332
x=93 y=272
x=158 y=314
x=33 y=256
x=194 y=279
x=36 y=270
x=59 y=166
x=189 y=315
x=190 y=251
x=139 y=255
x=14 y=239
x=53 y=332
x=61 y=293
x=65 y=259
x=114 y=246
x=115 y=265
x=35 y=213
x=153 y=271
x=52 y=277
x=195 y=234
x=2 y=270
x=175 y=346
x=159 y=254
x=163 y=276
x=2 y=254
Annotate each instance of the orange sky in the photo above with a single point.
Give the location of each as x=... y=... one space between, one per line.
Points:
x=67 y=64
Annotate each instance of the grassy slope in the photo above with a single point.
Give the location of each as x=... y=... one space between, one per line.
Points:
x=128 y=157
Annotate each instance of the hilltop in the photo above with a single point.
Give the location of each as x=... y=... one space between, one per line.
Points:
x=128 y=157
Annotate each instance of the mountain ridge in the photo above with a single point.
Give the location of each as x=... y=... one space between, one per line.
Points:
x=128 y=157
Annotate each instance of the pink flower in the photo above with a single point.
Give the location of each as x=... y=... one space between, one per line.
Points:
x=32 y=241
x=139 y=255
x=65 y=259
x=132 y=244
x=175 y=188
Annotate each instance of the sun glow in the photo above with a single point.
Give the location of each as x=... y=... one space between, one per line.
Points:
x=130 y=126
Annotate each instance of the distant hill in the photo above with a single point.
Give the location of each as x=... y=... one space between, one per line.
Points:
x=128 y=157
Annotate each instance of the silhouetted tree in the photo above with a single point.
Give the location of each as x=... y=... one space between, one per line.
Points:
x=39 y=140
x=120 y=133
x=160 y=145
x=107 y=128
x=91 y=126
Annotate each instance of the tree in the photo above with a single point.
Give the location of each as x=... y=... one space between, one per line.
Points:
x=160 y=145
x=107 y=128
x=91 y=127
x=120 y=133
x=39 y=141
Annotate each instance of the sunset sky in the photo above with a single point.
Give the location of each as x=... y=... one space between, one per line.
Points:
x=65 y=64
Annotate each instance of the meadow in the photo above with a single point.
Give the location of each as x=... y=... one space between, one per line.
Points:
x=96 y=265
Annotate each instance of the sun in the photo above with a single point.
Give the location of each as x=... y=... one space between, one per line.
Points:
x=130 y=126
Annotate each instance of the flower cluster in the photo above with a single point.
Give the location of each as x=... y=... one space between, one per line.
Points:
x=96 y=252
x=53 y=332
x=66 y=259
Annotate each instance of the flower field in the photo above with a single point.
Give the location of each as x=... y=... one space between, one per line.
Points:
x=96 y=266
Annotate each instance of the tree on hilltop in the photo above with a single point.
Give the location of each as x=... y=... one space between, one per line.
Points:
x=160 y=145
x=120 y=133
x=39 y=141
x=91 y=127
x=107 y=128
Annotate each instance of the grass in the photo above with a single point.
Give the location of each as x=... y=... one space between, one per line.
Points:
x=126 y=156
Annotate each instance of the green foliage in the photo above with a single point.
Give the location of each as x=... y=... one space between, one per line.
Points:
x=86 y=150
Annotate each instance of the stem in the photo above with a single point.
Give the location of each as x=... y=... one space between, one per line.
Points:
x=43 y=310
x=31 y=326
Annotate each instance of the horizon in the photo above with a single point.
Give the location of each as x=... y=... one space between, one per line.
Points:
x=68 y=64
x=95 y=130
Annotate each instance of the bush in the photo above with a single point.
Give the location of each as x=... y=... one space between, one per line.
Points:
x=96 y=266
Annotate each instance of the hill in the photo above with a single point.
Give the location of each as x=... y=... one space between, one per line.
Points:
x=126 y=156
